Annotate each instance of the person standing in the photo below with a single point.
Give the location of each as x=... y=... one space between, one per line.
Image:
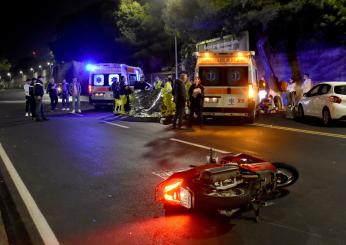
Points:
x=307 y=83
x=292 y=91
x=116 y=94
x=196 y=95
x=32 y=98
x=52 y=90
x=157 y=83
x=38 y=92
x=75 y=90
x=27 y=97
x=180 y=100
x=65 y=92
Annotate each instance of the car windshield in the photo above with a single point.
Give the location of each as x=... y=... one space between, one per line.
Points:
x=224 y=76
x=340 y=89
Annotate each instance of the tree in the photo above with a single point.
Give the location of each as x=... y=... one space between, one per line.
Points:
x=5 y=65
x=141 y=25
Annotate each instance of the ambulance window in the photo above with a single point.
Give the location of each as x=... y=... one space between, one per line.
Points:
x=113 y=78
x=210 y=76
x=99 y=80
x=237 y=76
x=133 y=79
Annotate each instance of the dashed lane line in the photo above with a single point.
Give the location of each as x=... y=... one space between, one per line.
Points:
x=297 y=130
x=115 y=124
x=198 y=145
x=36 y=215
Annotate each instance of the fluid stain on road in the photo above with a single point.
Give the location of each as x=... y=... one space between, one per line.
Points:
x=169 y=229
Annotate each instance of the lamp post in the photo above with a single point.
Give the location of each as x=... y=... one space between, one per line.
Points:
x=50 y=64
x=176 y=54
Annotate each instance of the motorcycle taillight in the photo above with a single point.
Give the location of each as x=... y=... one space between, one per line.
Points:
x=172 y=192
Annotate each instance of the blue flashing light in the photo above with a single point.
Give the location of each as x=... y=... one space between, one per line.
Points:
x=90 y=67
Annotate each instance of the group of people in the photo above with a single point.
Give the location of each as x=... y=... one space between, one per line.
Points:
x=34 y=91
x=187 y=94
x=292 y=89
x=121 y=95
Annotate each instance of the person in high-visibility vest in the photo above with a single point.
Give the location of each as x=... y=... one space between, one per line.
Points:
x=116 y=94
x=187 y=88
x=167 y=105
x=123 y=96
x=158 y=83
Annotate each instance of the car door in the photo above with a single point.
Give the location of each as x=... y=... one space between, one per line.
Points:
x=321 y=99
x=309 y=100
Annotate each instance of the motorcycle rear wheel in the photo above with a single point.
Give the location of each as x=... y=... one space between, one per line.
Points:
x=218 y=202
x=286 y=174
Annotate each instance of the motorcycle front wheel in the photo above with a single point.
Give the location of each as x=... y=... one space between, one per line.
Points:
x=286 y=174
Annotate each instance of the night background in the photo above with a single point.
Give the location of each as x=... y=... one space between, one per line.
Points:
x=85 y=147
x=142 y=33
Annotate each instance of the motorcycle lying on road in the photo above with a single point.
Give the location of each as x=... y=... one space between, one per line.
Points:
x=236 y=181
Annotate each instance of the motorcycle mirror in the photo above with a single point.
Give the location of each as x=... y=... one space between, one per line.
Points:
x=212 y=157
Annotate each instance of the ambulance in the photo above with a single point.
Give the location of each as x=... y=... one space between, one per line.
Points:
x=101 y=77
x=230 y=83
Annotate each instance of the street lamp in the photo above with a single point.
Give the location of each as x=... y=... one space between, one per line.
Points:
x=9 y=75
x=39 y=67
x=48 y=63
x=32 y=70
x=21 y=72
x=176 y=55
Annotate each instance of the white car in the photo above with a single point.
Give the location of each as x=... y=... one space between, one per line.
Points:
x=326 y=100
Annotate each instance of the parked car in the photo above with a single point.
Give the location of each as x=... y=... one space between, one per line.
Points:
x=326 y=100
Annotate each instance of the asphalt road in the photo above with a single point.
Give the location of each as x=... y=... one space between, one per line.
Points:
x=93 y=177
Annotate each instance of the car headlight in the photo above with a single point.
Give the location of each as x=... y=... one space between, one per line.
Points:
x=211 y=99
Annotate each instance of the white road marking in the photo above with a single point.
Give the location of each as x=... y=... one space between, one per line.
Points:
x=115 y=124
x=342 y=136
x=198 y=145
x=103 y=118
x=36 y=215
x=165 y=174
x=77 y=114
x=17 y=101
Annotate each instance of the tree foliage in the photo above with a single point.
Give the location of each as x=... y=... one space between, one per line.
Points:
x=142 y=26
x=148 y=22
x=5 y=65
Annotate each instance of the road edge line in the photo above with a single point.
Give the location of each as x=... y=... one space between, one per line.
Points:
x=115 y=124
x=198 y=145
x=297 y=130
x=36 y=215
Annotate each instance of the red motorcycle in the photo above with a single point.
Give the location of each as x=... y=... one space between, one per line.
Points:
x=237 y=180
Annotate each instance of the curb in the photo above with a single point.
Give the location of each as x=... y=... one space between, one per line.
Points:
x=3 y=234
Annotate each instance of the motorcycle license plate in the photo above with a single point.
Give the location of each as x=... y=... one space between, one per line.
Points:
x=185 y=198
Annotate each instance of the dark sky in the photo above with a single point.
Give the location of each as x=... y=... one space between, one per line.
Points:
x=29 y=25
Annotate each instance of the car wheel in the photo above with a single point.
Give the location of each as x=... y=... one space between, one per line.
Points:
x=300 y=112
x=252 y=118
x=326 y=117
x=278 y=102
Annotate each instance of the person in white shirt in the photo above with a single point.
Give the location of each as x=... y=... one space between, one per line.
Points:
x=307 y=83
x=292 y=92
x=27 y=97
